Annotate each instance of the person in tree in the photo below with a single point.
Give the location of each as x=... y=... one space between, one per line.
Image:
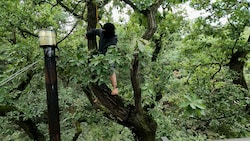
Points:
x=108 y=40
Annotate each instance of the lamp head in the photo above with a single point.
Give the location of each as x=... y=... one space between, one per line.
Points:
x=47 y=38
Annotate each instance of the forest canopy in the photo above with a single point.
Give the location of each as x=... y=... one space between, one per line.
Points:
x=178 y=77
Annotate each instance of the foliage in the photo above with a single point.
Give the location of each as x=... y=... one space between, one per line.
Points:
x=198 y=99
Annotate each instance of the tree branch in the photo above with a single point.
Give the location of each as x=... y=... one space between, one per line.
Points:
x=132 y=5
x=115 y=104
x=134 y=76
x=152 y=25
x=203 y=65
x=158 y=46
x=4 y=109
x=23 y=85
x=69 y=32
x=220 y=67
x=236 y=64
x=27 y=32
x=92 y=21
x=70 y=10
x=78 y=130
x=149 y=13
x=27 y=125
x=89 y=94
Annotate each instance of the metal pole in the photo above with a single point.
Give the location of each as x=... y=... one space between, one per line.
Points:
x=47 y=41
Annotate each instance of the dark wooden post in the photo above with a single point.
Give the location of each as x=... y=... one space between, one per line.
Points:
x=47 y=39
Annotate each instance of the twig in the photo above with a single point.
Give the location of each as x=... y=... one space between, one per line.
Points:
x=69 y=32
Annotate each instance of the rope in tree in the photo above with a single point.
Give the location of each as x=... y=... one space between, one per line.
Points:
x=18 y=73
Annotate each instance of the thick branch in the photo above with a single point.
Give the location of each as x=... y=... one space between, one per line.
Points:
x=78 y=131
x=31 y=129
x=134 y=76
x=4 y=109
x=69 y=32
x=131 y=4
x=158 y=47
x=237 y=65
x=149 y=13
x=27 y=32
x=220 y=67
x=27 y=125
x=23 y=85
x=89 y=94
x=92 y=21
x=152 y=25
x=115 y=104
x=70 y=10
x=141 y=124
x=13 y=40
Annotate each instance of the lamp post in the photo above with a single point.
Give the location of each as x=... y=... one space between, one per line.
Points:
x=47 y=41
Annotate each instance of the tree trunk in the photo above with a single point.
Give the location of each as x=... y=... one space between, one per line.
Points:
x=135 y=80
x=141 y=124
x=135 y=118
x=236 y=64
x=92 y=21
x=144 y=127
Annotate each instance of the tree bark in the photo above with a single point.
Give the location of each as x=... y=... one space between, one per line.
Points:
x=236 y=64
x=134 y=76
x=92 y=21
x=152 y=25
x=149 y=13
x=141 y=124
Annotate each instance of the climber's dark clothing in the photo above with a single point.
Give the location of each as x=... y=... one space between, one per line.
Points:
x=104 y=42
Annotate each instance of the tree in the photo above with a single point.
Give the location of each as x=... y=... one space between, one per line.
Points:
x=236 y=14
x=217 y=54
x=138 y=114
x=175 y=76
x=18 y=35
x=141 y=124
